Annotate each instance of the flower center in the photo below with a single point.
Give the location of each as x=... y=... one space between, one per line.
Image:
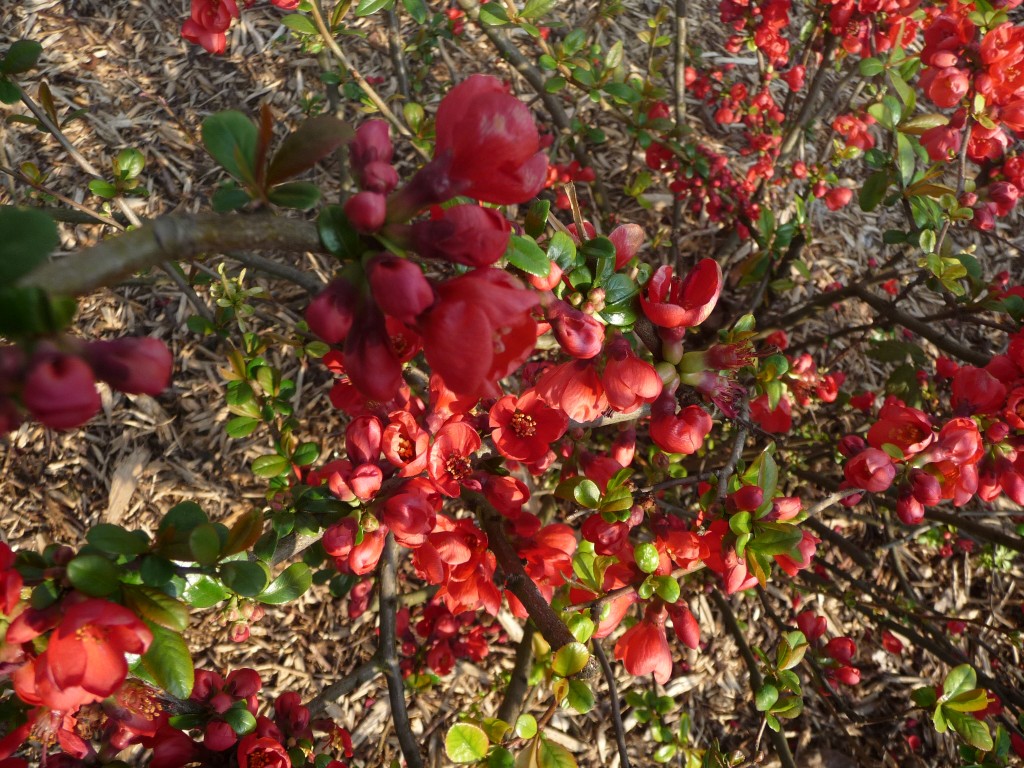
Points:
x=458 y=467
x=405 y=449
x=523 y=425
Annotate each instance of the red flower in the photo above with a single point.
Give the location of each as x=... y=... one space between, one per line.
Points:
x=671 y=302
x=678 y=433
x=871 y=469
x=479 y=331
x=779 y=420
x=449 y=460
x=629 y=381
x=262 y=752
x=523 y=428
x=907 y=428
x=627 y=239
x=490 y=143
x=575 y=388
x=465 y=234
x=399 y=287
x=210 y=20
x=370 y=360
x=975 y=390
x=405 y=444
x=84 y=661
x=579 y=334
x=412 y=512
x=332 y=311
x=644 y=649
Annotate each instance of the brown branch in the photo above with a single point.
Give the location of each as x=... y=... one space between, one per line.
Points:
x=176 y=238
x=613 y=699
x=519 y=681
x=388 y=651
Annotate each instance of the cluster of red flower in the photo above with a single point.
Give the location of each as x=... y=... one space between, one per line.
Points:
x=210 y=20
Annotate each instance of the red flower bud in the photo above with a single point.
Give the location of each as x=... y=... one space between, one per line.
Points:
x=579 y=334
x=330 y=314
x=132 y=365
x=60 y=391
x=871 y=469
x=399 y=287
x=464 y=234
x=367 y=211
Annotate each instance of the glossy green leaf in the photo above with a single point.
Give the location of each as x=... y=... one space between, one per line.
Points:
x=961 y=678
x=28 y=238
x=204 y=543
x=168 y=662
x=156 y=606
x=300 y=23
x=245 y=577
x=766 y=697
x=293 y=582
x=93 y=575
x=523 y=253
x=466 y=743
x=562 y=250
x=526 y=726
x=244 y=532
x=418 y=10
x=647 y=557
x=368 y=7
x=310 y=143
x=203 y=592
x=587 y=494
x=270 y=466
x=300 y=195
x=117 y=540
x=230 y=138
x=21 y=57
x=570 y=659
x=240 y=719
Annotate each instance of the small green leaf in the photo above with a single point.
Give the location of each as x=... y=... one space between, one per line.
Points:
x=973 y=731
x=306 y=454
x=228 y=198
x=241 y=426
x=924 y=697
x=203 y=592
x=93 y=575
x=587 y=494
x=526 y=726
x=21 y=57
x=290 y=585
x=169 y=662
x=580 y=697
x=466 y=743
x=667 y=588
x=367 y=7
x=103 y=189
x=129 y=163
x=240 y=719
x=310 y=143
x=870 y=67
x=245 y=577
x=766 y=697
x=570 y=659
x=117 y=540
x=562 y=250
x=337 y=233
x=523 y=253
x=417 y=9
x=647 y=557
x=297 y=22
x=493 y=15
x=300 y=195
x=534 y=9
x=9 y=93
x=874 y=189
x=156 y=606
x=961 y=678
x=270 y=466
x=28 y=238
x=230 y=137
x=204 y=542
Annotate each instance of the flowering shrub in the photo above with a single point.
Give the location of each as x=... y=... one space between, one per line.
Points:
x=546 y=428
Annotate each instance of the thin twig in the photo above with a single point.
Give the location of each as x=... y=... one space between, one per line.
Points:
x=737 y=450
x=613 y=700
x=756 y=680
x=389 y=654
x=364 y=673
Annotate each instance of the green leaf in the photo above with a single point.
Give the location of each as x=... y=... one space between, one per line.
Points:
x=337 y=233
x=523 y=253
x=570 y=659
x=230 y=137
x=906 y=158
x=229 y=197
x=21 y=57
x=241 y=720
x=28 y=238
x=270 y=466
x=9 y=93
x=500 y=758
x=587 y=494
x=203 y=592
x=580 y=697
x=646 y=557
x=619 y=288
x=117 y=540
x=623 y=92
x=870 y=67
x=969 y=701
x=775 y=538
x=297 y=22
x=766 y=697
x=493 y=14
x=924 y=697
x=300 y=195
x=103 y=189
x=961 y=678
x=417 y=9
x=536 y=221
x=534 y=9
x=466 y=743
x=244 y=532
x=156 y=571
x=526 y=726
x=555 y=84
x=169 y=662
x=306 y=454
x=562 y=250
x=129 y=163
x=93 y=575
x=245 y=577
x=156 y=606
x=552 y=755
x=667 y=588
x=973 y=731
x=241 y=426
x=204 y=542
x=290 y=585
x=310 y=143
x=874 y=190
x=367 y=7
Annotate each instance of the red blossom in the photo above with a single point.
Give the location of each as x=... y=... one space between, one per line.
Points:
x=672 y=302
x=524 y=427
x=643 y=649
x=449 y=461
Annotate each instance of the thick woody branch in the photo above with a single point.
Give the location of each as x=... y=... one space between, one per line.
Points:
x=519 y=583
x=172 y=238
